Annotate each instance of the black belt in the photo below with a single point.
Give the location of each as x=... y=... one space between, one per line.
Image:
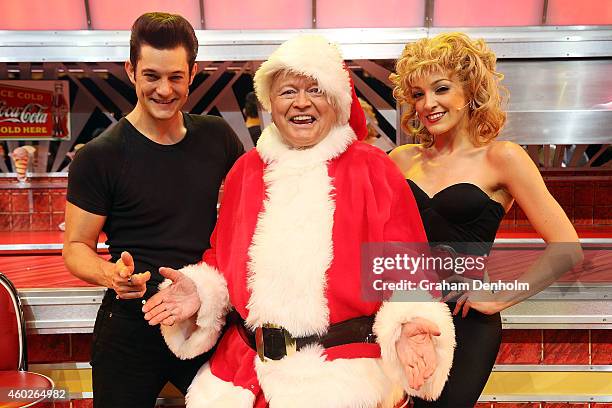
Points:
x=275 y=342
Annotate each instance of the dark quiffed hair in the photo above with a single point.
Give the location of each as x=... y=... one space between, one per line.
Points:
x=163 y=31
x=250 y=105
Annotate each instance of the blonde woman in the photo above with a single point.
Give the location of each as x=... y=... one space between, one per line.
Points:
x=464 y=182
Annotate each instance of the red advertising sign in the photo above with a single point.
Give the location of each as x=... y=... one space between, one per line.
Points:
x=34 y=110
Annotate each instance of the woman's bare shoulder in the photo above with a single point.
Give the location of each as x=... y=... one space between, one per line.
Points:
x=505 y=150
x=404 y=155
x=506 y=153
x=511 y=163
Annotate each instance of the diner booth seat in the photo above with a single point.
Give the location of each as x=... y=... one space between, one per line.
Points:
x=28 y=388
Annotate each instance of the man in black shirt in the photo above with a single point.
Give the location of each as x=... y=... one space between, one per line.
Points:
x=151 y=184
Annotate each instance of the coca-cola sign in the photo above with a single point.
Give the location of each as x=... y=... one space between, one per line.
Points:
x=34 y=110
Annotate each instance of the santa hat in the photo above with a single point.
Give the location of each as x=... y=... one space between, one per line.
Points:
x=313 y=56
x=357 y=120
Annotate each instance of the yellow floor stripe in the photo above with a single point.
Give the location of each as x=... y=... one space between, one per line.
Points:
x=79 y=380
x=549 y=383
x=73 y=380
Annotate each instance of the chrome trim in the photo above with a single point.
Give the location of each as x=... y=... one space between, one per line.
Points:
x=356 y=43
x=35 y=175
x=541 y=241
x=74 y=310
x=73 y=296
x=544 y=319
x=66 y=324
x=32 y=186
x=556 y=326
x=542 y=397
x=558 y=127
x=61 y=366
x=40 y=247
x=575 y=292
x=81 y=395
x=101 y=245
x=71 y=310
x=558 y=312
x=552 y=368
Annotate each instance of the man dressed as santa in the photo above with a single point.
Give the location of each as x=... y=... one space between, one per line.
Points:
x=285 y=256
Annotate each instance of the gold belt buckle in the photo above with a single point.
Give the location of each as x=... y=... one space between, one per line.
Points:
x=290 y=343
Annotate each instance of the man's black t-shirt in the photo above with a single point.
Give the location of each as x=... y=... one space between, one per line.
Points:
x=159 y=200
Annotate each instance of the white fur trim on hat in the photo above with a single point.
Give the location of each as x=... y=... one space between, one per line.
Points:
x=195 y=336
x=388 y=328
x=208 y=391
x=312 y=56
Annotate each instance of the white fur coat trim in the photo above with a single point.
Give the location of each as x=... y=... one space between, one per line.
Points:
x=306 y=380
x=292 y=245
x=388 y=327
x=197 y=335
x=315 y=57
x=208 y=391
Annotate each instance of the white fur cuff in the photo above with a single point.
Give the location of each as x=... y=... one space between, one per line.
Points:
x=197 y=335
x=388 y=328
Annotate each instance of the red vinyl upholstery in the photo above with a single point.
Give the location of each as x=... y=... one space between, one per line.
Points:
x=13 y=374
x=11 y=323
x=23 y=380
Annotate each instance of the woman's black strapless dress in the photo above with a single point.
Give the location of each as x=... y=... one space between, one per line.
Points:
x=465 y=218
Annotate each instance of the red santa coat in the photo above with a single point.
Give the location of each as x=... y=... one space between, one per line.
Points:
x=286 y=250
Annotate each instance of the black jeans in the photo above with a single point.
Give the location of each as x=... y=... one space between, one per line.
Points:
x=478 y=339
x=130 y=360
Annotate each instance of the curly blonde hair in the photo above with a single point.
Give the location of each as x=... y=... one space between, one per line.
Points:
x=471 y=62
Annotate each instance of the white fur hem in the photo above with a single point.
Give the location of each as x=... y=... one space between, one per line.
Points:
x=195 y=336
x=208 y=391
x=388 y=327
x=306 y=380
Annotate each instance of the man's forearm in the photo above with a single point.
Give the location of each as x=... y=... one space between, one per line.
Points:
x=84 y=263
